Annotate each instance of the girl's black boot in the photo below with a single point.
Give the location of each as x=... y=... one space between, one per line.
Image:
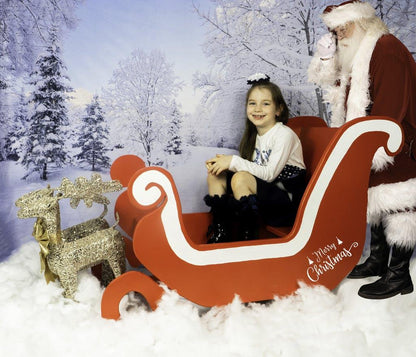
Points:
x=219 y=229
x=247 y=213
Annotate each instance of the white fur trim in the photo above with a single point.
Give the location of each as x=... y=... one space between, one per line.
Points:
x=400 y=229
x=350 y=12
x=322 y=73
x=359 y=97
x=384 y=198
x=325 y=74
x=381 y=160
x=336 y=97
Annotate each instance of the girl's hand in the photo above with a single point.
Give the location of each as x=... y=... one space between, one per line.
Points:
x=218 y=164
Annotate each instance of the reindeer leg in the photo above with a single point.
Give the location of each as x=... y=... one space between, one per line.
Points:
x=115 y=267
x=120 y=265
x=117 y=261
x=107 y=273
x=69 y=281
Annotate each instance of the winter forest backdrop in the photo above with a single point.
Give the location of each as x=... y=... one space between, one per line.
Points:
x=85 y=81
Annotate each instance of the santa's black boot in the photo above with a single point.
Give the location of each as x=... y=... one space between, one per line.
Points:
x=376 y=263
x=219 y=229
x=395 y=281
x=247 y=213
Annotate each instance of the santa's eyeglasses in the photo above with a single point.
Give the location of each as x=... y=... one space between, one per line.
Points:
x=342 y=31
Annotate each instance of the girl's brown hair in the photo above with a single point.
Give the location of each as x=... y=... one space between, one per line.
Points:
x=248 y=141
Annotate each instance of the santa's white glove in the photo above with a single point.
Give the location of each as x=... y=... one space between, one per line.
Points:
x=326 y=46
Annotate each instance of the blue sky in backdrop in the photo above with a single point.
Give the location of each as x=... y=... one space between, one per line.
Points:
x=108 y=31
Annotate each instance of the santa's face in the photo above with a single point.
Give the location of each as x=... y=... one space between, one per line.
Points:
x=349 y=40
x=344 y=31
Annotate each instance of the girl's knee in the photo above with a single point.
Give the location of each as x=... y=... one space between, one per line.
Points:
x=216 y=184
x=242 y=179
x=210 y=178
x=214 y=179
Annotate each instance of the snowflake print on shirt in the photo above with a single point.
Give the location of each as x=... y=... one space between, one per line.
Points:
x=262 y=158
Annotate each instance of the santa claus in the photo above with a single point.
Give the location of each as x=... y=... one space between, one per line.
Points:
x=365 y=70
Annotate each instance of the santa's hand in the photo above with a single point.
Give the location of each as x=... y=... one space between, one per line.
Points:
x=326 y=46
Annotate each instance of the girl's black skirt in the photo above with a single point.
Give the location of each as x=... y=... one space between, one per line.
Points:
x=279 y=200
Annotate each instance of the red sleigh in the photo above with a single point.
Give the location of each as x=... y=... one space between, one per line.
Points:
x=322 y=247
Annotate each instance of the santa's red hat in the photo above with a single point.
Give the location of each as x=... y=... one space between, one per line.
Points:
x=338 y=15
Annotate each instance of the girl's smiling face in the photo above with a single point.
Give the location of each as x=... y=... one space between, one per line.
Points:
x=261 y=110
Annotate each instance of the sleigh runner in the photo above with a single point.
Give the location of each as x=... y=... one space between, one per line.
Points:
x=322 y=247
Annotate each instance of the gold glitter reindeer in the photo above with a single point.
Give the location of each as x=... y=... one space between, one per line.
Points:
x=65 y=252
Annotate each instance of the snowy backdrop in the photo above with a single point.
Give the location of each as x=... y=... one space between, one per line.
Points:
x=85 y=81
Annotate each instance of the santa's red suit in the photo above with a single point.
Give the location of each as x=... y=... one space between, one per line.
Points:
x=382 y=81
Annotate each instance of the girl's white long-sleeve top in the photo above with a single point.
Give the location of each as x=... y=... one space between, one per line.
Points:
x=278 y=147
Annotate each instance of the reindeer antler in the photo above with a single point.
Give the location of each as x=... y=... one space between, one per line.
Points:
x=88 y=190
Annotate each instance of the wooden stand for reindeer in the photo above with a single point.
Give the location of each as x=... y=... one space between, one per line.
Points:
x=65 y=252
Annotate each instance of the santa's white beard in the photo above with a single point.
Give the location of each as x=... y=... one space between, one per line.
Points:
x=347 y=49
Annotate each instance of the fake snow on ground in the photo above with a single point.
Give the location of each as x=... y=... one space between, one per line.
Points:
x=37 y=321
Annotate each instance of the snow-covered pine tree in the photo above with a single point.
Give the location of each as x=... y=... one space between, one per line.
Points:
x=3 y=118
x=174 y=146
x=24 y=27
x=46 y=146
x=93 y=137
x=16 y=139
x=5 y=80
